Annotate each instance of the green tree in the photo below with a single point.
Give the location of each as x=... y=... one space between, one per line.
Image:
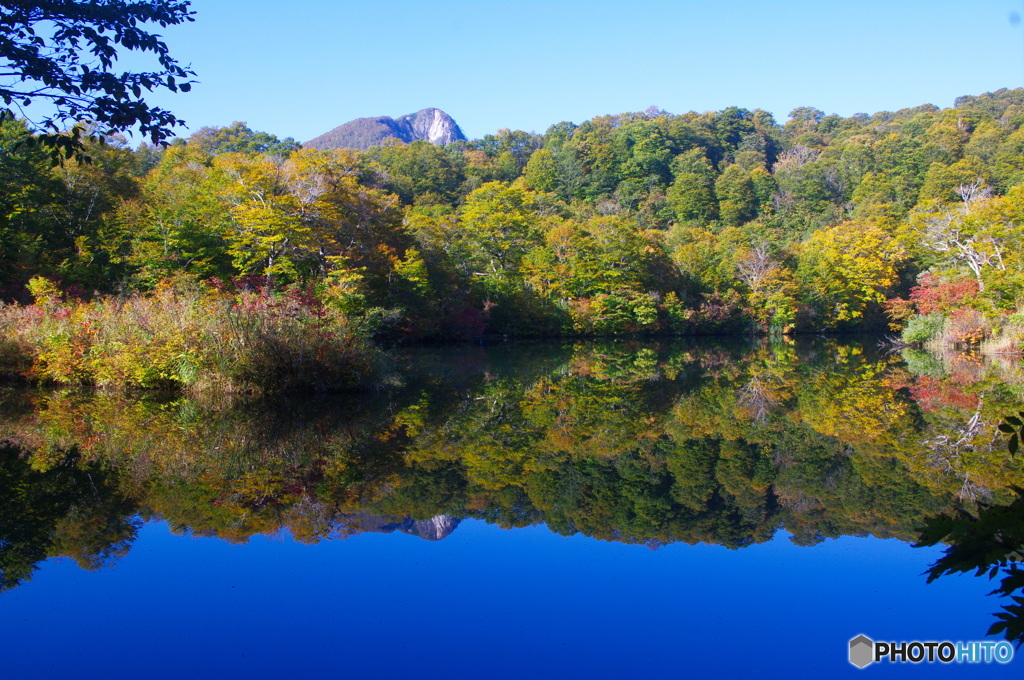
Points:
x=419 y=172
x=737 y=201
x=555 y=170
x=731 y=125
x=810 y=192
x=508 y=151
x=240 y=138
x=88 y=243
x=943 y=183
x=179 y=222
x=27 y=185
x=692 y=193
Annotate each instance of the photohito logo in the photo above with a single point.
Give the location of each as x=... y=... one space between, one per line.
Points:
x=864 y=651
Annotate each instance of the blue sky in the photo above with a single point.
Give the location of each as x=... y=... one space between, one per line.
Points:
x=303 y=67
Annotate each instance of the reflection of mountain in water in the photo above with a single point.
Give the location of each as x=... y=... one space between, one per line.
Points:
x=433 y=529
x=636 y=443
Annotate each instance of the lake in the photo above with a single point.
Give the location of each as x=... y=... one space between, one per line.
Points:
x=554 y=510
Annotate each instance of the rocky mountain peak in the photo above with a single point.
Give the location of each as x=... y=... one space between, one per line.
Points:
x=431 y=125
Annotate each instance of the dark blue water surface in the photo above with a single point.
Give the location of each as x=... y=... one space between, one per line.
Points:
x=620 y=510
x=484 y=602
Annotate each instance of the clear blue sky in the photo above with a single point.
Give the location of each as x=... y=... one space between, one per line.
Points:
x=303 y=67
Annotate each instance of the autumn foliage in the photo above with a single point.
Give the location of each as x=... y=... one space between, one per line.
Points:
x=638 y=224
x=188 y=336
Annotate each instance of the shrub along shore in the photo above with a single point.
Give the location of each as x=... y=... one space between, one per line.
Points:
x=187 y=336
x=197 y=337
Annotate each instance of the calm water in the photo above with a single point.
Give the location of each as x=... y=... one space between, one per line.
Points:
x=621 y=510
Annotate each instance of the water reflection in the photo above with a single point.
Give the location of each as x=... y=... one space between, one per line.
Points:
x=636 y=443
x=988 y=543
x=71 y=509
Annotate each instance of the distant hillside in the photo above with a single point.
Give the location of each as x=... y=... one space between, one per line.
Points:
x=432 y=125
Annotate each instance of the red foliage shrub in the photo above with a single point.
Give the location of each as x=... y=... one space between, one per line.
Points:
x=932 y=296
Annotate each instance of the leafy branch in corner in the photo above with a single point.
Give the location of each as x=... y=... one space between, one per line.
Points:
x=1013 y=426
x=62 y=55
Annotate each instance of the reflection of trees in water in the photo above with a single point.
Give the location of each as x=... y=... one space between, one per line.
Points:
x=629 y=442
x=989 y=543
x=70 y=509
x=757 y=399
x=961 y=399
x=945 y=451
x=771 y=383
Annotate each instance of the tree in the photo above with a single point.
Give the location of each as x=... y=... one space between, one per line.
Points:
x=772 y=290
x=555 y=169
x=512 y=148
x=692 y=193
x=419 y=172
x=503 y=222
x=179 y=224
x=983 y=234
x=307 y=215
x=737 y=201
x=804 y=122
x=61 y=54
x=240 y=138
x=86 y=243
x=267 y=235
x=27 y=184
x=846 y=271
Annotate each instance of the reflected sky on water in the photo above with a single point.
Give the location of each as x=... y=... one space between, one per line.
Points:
x=483 y=602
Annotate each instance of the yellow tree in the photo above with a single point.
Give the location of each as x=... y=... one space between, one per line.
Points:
x=266 y=234
x=504 y=222
x=772 y=291
x=352 y=225
x=846 y=270
x=308 y=214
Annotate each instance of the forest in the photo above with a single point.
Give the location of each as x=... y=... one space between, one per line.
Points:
x=236 y=257
x=634 y=442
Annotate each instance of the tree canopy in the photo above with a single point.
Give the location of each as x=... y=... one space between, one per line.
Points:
x=61 y=56
x=643 y=223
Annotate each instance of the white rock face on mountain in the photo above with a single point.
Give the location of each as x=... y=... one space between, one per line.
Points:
x=431 y=125
x=433 y=529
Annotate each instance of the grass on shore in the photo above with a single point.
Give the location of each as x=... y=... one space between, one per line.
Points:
x=186 y=336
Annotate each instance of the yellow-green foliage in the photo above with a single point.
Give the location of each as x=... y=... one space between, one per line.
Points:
x=186 y=336
x=16 y=353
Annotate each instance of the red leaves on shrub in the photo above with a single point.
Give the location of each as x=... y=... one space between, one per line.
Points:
x=932 y=296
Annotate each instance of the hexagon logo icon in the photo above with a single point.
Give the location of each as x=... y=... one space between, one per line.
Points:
x=862 y=651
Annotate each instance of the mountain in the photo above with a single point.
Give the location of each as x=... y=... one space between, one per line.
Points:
x=433 y=529
x=432 y=125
